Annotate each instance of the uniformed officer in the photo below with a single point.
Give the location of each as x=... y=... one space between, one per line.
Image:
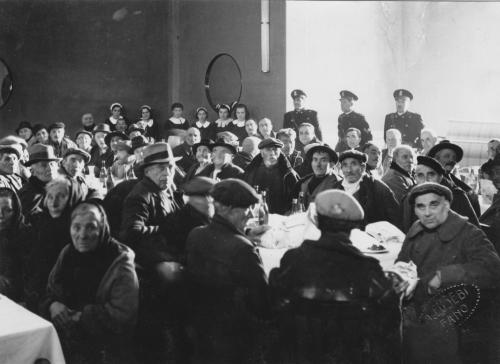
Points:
x=408 y=123
x=351 y=119
x=299 y=115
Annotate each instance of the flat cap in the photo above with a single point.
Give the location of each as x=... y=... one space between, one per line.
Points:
x=297 y=93
x=401 y=92
x=139 y=141
x=83 y=131
x=57 y=125
x=270 y=143
x=338 y=204
x=78 y=151
x=431 y=163
x=109 y=136
x=430 y=187
x=321 y=148
x=345 y=94
x=198 y=186
x=361 y=157
x=234 y=192
x=446 y=144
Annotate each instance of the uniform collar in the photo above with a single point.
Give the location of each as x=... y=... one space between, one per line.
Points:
x=177 y=121
x=204 y=125
x=447 y=231
x=397 y=168
x=347 y=113
x=239 y=124
x=223 y=123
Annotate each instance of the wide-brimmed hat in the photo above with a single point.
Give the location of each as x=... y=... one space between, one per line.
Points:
x=40 y=153
x=222 y=143
x=11 y=148
x=322 y=148
x=107 y=138
x=446 y=144
x=206 y=142
x=24 y=124
x=78 y=151
x=361 y=157
x=158 y=153
x=83 y=131
x=101 y=128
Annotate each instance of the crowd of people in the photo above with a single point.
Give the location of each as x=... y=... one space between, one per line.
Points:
x=164 y=265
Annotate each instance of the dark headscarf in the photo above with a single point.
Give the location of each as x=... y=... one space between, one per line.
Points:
x=17 y=221
x=81 y=273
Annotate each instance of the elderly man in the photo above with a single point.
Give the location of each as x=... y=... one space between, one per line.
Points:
x=428 y=138
x=249 y=149
x=185 y=150
x=9 y=158
x=408 y=123
x=323 y=160
x=430 y=170
x=374 y=161
x=330 y=272
x=44 y=168
x=271 y=171
x=100 y=151
x=351 y=119
x=447 y=251
x=58 y=139
x=377 y=200
x=392 y=140
x=222 y=166
x=288 y=137
x=449 y=155
x=399 y=176
x=299 y=115
x=228 y=282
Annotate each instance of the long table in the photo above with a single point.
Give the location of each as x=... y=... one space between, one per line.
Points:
x=26 y=337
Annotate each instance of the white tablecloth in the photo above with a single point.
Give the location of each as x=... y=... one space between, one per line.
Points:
x=25 y=337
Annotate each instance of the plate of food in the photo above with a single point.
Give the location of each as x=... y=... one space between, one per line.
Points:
x=375 y=248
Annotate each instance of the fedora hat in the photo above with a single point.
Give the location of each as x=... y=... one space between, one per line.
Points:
x=107 y=138
x=41 y=152
x=158 y=153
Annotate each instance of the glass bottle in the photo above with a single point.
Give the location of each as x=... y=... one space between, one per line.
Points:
x=300 y=202
x=295 y=207
x=263 y=210
x=110 y=183
x=103 y=174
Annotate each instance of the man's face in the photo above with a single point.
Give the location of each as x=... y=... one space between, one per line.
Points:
x=87 y=120
x=162 y=174
x=428 y=141
x=306 y=135
x=221 y=155
x=373 y=153
x=74 y=164
x=121 y=125
x=114 y=141
x=193 y=136
x=99 y=139
x=45 y=171
x=495 y=176
x=321 y=163
x=240 y=216
x=288 y=144
x=345 y=105
x=298 y=102
x=83 y=141
x=42 y=136
x=493 y=148
x=8 y=162
x=270 y=155
x=352 y=169
x=431 y=210
x=6 y=212
x=203 y=154
x=265 y=127
x=426 y=174
x=57 y=135
x=85 y=230
x=25 y=133
x=404 y=159
x=392 y=140
x=447 y=158
x=251 y=127
x=353 y=139
x=402 y=104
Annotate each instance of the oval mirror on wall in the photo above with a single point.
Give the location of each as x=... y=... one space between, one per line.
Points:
x=223 y=84
x=5 y=82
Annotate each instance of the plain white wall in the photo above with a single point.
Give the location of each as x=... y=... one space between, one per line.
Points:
x=447 y=54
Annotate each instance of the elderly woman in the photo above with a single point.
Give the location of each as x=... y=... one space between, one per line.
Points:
x=93 y=291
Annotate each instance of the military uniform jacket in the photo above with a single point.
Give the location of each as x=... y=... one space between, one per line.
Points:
x=352 y=120
x=293 y=119
x=410 y=125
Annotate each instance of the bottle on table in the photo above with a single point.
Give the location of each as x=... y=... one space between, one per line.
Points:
x=300 y=202
x=103 y=175
x=298 y=160
x=263 y=210
x=295 y=207
x=110 y=183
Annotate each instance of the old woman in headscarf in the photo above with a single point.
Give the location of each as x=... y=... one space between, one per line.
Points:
x=93 y=290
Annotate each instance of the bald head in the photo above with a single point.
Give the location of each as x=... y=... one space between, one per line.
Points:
x=192 y=136
x=250 y=146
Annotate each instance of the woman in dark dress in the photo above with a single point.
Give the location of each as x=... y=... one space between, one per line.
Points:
x=146 y=122
x=176 y=121
x=206 y=128
x=224 y=122
x=238 y=125
x=116 y=115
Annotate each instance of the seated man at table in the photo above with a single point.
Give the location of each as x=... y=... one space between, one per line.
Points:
x=399 y=176
x=323 y=160
x=93 y=291
x=222 y=166
x=376 y=199
x=323 y=281
x=447 y=250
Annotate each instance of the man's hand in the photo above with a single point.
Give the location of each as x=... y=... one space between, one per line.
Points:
x=434 y=283
x=61 y=315
x=255 y=233
x=169 y=272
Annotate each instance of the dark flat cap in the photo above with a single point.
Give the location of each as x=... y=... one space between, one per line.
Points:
x=270 y=143
x=11 y=148
x=78 y=151
x=234 y=192
x=22 y=125
x=401 y=92
x=41 y=152
x=139 y=141
x=107 y=138
x=297 y=93
x=58 y=125
x=430 y=187
x=345 y=94
x=338 y=204
x=223 y=143
x=446 y=144
x=324 y=149
x=198 y=186
x=431 y=163
x=206 y=142
x=361 y=157
x=82 y=131
x=102 y=128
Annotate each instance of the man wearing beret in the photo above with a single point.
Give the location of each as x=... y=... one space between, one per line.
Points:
x=376 y=199
x=58 y=139
x=300 y=114
x=408 y=123
x=9 y=164
x=449 y=155
x=351 y=119
x=331 y=272
x=430 y=170
x=399 y=177
x=228 y=282
x=447 y=250
x=272 y=172
x=323 y=160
